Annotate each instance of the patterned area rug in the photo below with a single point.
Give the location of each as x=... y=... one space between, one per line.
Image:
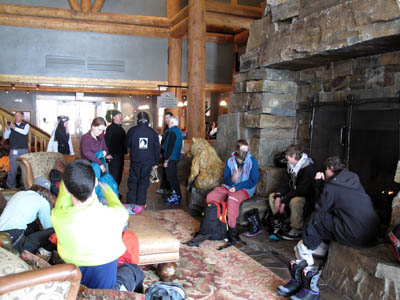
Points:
x=206 y=273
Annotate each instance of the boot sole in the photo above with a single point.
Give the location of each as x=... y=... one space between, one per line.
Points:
x=252 y=234
x=291 y=238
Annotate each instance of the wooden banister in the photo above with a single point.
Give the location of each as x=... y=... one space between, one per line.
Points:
x=39 y=137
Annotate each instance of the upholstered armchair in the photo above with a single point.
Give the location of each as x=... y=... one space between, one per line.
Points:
x=18 y=280
x=37 y=164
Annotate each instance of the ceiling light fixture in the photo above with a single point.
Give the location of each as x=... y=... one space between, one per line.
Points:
x=6 y=91
x=37 y=87
x=13 y=86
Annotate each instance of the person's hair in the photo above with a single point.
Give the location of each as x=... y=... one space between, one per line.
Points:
x=169 y=113
x=294 y=149
x=98 y=121
x=79 y=179
x=241 y=143
x=42 y=191
x=174 y=120
x=335 y=164
x=19 y=112
x=60 y=126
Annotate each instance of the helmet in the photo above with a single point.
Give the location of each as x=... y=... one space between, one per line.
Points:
x=143 y=117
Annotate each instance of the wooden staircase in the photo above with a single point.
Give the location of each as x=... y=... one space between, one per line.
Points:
x=37 y=138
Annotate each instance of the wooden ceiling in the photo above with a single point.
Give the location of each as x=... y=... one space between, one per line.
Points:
x=225 y=23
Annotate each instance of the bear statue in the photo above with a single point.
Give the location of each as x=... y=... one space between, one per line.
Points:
x=207 y=171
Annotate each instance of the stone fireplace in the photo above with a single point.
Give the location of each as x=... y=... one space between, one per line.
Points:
x=326 y=75
x=303 y=63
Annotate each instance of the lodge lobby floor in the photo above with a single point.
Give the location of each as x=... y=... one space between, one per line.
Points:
x=272 y=255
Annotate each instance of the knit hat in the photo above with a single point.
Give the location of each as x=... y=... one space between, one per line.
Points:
x=111 y=113
x=43 y=182
x=115 y=112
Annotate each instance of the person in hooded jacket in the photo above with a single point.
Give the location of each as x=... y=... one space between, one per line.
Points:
x=296 y=193
x=240 y=181
x=144 y=148
x=343 y=213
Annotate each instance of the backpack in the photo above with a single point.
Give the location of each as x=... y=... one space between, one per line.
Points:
x=55 y=179
x=165 y=291
x=214 y=224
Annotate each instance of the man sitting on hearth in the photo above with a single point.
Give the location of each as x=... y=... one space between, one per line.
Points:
x=343 y=213
x=296 y=193
x=89 y=234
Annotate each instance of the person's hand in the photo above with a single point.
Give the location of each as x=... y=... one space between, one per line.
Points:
x=282 y=208
x=277 y=203
x=165 y=164
x=320 y=175
x=109 y=156
x=232 y=190
x=236 y=175
x=103 y=168
x=155 y=167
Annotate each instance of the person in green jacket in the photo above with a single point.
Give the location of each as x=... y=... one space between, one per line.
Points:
x=89 y=234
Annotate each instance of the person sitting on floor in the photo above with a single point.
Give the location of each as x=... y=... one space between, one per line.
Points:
x=296 y=193
x=240 y=177
x=343 y=213
x=89 y=234
x=22 y=210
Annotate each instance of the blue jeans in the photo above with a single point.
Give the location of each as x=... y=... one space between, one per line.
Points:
x=12 y=173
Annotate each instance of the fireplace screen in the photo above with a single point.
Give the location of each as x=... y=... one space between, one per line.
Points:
x=364 y=133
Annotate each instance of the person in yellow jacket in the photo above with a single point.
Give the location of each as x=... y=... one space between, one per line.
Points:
x=89 y=234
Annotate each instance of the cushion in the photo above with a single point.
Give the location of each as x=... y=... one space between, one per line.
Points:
x=10 y=264
x=42 y=162
x=156 y=244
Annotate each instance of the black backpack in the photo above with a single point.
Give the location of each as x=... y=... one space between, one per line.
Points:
x=214 y=224
x=55 y=177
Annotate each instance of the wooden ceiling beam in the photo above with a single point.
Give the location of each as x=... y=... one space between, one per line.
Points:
x=74 y=5
x=179 y=30
x=39 y=11
x=77 y=25
x=183 y=13
x=242 y=37
x=97 y=6
x=99 y=85
x=85 y=4
x=236 y=10
x=217 y=22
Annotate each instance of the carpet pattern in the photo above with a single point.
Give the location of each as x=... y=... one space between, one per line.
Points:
x=206 y=273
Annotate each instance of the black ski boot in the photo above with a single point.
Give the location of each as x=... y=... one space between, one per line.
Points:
x=233 y=238
x=294 y=285
x=253 y=219
x=276 y=227
x=309 y=278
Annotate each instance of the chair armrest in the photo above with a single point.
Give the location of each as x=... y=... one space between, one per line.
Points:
x=27 y=173
x=65 y=272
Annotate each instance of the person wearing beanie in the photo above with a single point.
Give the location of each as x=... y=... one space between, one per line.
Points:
x=144 y=148
x=22 y=209
x=115 y=137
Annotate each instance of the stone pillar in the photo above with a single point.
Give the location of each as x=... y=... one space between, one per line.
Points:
x=175 y=61
x=196 y=68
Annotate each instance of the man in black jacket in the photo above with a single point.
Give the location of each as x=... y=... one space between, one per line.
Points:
x=165 y=187
x=115 y=137
x=344 y=213
x=145 y=151
x=296 y=194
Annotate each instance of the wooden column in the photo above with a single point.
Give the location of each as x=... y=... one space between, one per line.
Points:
x=175 y=61
x=196 y=68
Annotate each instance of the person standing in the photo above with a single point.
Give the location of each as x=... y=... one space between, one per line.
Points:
x=60 y=140
x=93 y=141
x=165 y=188
x=17 y=132
x=144 y=146
x=172 y=153
x=115 y=137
